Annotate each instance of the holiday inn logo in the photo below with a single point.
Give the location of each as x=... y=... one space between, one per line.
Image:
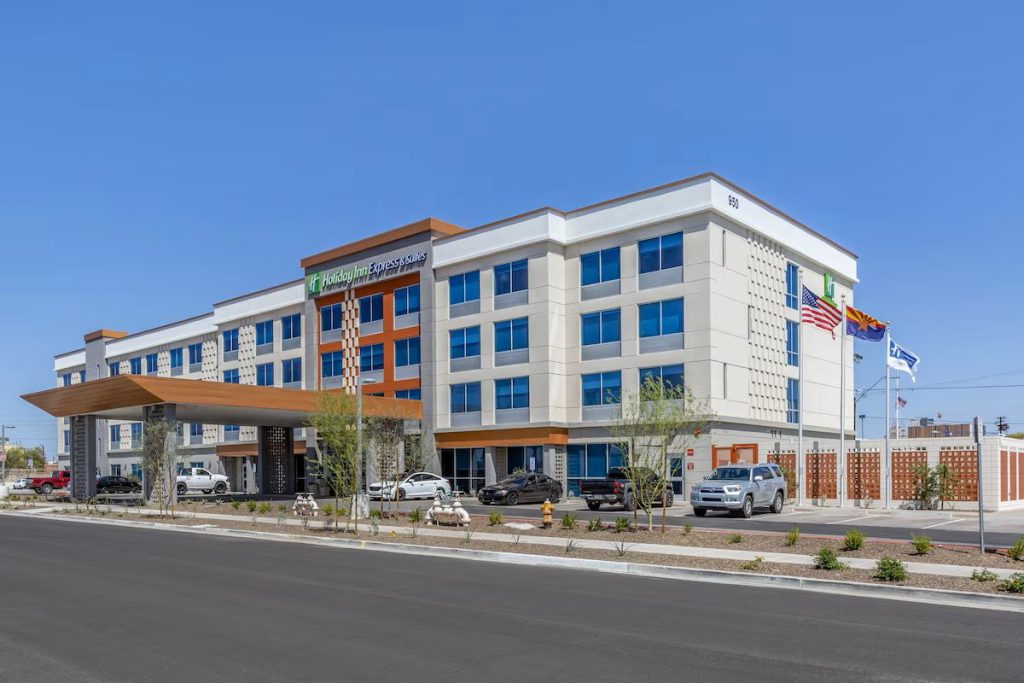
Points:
x=313 y=284
x=319 y=283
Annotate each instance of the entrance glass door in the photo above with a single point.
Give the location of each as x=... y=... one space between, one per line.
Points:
x=463 y=468
x=525 y=459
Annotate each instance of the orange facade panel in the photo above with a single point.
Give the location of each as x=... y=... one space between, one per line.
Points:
x=526 y=436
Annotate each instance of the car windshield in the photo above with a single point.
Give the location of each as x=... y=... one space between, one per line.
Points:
x=727 y=473
x=512 y=481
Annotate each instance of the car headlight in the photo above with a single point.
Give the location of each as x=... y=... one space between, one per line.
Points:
x=731 y=489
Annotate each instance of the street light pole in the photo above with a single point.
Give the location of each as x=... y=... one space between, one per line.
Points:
x=361 y=486
x=3 y=450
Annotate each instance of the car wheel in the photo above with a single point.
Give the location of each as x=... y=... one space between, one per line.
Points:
x=777 y=503
x=700 y=512
x=221 y=488
x=182 y=489
x=669 y=498
x=104 y=490
x=401 y=494
x=748 y=507
x=594 y=504
x=512 y=499
x=47 y=489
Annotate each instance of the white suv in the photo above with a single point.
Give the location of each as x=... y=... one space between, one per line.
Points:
x=199 y=479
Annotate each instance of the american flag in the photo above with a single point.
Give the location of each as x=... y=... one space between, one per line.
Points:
x=901 y=402
x=819 y=312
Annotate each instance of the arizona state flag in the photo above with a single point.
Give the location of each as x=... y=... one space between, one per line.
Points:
x=863 y=326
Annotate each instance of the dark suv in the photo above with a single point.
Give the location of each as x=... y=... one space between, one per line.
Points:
x=114 y=484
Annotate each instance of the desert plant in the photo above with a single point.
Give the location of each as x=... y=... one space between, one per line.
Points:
x=374 y=523
x=595 y=525
x=890 y=569
x=375 y=514
x=280 y=517
x=621 y=548
x=734 y=538
x=569 y=521
x=752 y=565
x=328 y=510
x=468 y=534
x=1016 y=551
x=415 y=516
x=854 y=540
x=687 y=528
x=570 y=545
x=792 y=536
x=922 y=544
x=515 y=541
x=235 y=504
x=826 y=559
x=280 y=508
x=495 y=518
x=983 y=575
x=263 y=508
x=1014 y=584
x=621 y=524
x=252 y=505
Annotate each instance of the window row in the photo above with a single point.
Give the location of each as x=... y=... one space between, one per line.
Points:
x=371 y=308
x=291 y=373
x=605 y=388
x=371 y=357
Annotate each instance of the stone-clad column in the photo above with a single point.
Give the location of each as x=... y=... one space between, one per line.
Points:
x=83 y=457
x=276 y=462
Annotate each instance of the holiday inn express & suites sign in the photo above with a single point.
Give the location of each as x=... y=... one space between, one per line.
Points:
x=346 y=276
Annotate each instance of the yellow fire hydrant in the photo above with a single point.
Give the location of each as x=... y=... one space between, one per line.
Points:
x=547 y=511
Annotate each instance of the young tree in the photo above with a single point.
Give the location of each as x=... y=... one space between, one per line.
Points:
x=419 y=451
x=657 y=420
x=335 y=424
x=384 y=437
x=160 y=462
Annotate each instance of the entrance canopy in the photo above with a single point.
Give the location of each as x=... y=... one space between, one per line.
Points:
x=125 y=397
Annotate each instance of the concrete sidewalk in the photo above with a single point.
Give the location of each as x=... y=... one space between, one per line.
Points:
x=963 y=571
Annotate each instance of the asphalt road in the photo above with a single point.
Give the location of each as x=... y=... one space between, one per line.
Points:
x=85 y=602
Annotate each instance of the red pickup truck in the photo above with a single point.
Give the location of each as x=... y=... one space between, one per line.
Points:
x=57 y=480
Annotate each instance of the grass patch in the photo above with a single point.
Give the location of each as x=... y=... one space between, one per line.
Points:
x=734 y=538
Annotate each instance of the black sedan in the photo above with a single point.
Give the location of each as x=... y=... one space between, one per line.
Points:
x=117 y=485
x=521 y=488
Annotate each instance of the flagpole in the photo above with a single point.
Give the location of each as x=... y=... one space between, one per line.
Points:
x=898 y=432
x=841 y=469
x=800 y=393
x=886 y=471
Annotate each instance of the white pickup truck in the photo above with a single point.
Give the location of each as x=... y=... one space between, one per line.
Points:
x=199 y=479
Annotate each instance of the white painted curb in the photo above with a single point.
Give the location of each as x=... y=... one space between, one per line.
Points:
x=932 y=596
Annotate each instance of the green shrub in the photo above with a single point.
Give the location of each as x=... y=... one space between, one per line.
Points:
x=416 y=516
x=890 y=569
x=251 y=504
x=495 y=518
x=569 y=521
x=236 y=504
x=687 y=528
x=733 y=538
x=922 y=544
x=826 y=559
x=264 y=508
x=375 y=515
x=1014 y=584
x=983 y=575
x=1016 y=551
x=281 y=508
x=328 y=510
x=854 y=540
x=752 y=565
x=792 y=536
x=621 y=548
x=595 y=525
x=621 y=524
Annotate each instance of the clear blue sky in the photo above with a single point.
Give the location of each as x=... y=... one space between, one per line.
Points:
x=153 y=161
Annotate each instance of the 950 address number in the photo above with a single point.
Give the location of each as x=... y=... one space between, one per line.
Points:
x=734 y=201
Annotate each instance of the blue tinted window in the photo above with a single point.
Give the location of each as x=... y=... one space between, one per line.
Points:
x=151 y=362
x=115 y=434
x=465 y=397
x=371 y=357
x=231 y=376
x=115 y=369
x=291 y=326
x=265 y=375
x=513 y=392
x=669 y=376
x=600 y=327
x=176 y=357
x=195 y=353
x=330 y=318
x=66 y=379
x=407 y=300
x=264 y=332
x=792 y=282
x=660 y=253
x=599 y=266
x=135 y=366
x=602 y=388
x=407 y=352
x=371 y=308
x=291 y=370
x=464 y=287
x=465 y=342
x=195 y=429
x=792 y=342
x=792 y=401
x=511 y=334
x=413 y=394
x=136 y=430
x=230 y=428
x=330 y=364
x=661 y=317
x=231 y=340
x=510 y=277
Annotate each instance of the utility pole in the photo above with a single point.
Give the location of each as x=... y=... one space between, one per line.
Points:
x=981 y=495
x=3 y=451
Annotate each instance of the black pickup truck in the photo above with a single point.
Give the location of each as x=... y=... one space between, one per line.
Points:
x=617 y=489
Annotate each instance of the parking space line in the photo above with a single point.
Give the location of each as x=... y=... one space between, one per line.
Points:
x=852 y=519
x=948 y=521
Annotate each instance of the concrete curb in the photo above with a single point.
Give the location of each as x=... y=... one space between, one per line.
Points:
x=933 y=596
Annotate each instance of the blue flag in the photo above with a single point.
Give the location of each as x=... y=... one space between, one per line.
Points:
x=902 y=359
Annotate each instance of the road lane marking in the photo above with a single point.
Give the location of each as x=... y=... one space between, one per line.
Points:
x=852 y=519
x=948 y=521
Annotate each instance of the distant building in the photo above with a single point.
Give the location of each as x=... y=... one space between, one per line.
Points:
x=929 y=430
